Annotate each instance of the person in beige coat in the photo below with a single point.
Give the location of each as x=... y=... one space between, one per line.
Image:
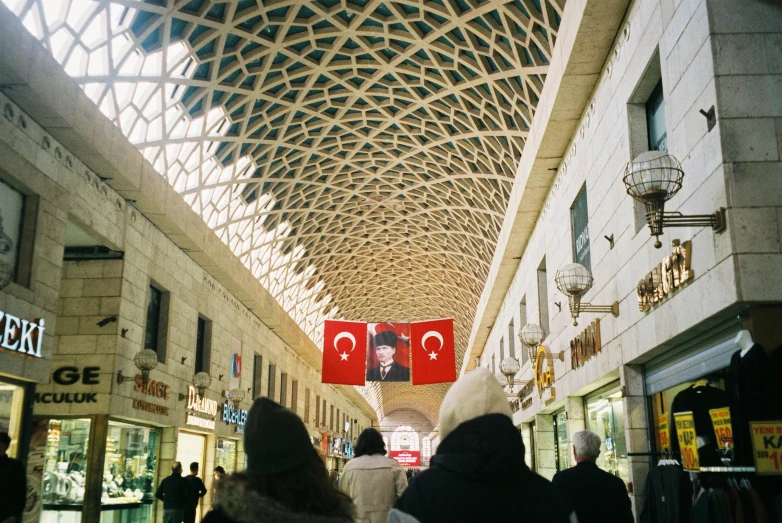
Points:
x=372 y=480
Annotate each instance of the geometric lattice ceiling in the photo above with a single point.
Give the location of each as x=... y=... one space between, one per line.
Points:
x=356 y=155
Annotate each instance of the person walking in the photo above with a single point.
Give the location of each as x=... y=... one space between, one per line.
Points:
x=174 y=493
x=596 y=495
x=13 y=484
x=373 y=481
x=285 y=480
x=478 y=472
x=196 y=490
x=219 y=472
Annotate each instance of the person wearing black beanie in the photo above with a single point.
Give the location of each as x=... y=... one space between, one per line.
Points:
x=286 y=479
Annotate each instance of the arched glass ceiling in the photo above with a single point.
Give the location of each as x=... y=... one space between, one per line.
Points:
x=356 y=155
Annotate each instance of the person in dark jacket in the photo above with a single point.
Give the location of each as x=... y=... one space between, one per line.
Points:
x=13 y=484
x=478 y=473
x=174 y=493
x=595 y=495
x=196 y=490
x=285 y=480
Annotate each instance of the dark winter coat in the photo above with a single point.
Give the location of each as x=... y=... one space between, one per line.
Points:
x=13 y=488
x=236 y=503
x=479 y=474
x=174 y=492
x=396 y=372
x=583 y=485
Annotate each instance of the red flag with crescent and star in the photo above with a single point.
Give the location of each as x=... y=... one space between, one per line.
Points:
x=434 y=359
x=344 y=352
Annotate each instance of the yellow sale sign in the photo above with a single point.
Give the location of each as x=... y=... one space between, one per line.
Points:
x=767 y=446
x=665 y=434
x=688 y=440
x=720 y=419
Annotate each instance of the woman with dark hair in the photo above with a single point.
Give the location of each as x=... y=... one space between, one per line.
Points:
x=285 y=481
x=373 y=481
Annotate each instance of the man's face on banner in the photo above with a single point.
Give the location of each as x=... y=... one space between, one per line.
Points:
x=385 y=354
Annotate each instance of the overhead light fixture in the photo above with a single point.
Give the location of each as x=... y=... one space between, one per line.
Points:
x=235 y=396
x=145 y=361
x=531 y=336
x=509 y=367
x=201 y=382
x=653 y=178
x=574 y=280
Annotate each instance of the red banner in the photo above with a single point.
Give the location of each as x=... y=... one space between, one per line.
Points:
x=407 y=458
x=388 y=352
x=344 y=352
x=431 y=343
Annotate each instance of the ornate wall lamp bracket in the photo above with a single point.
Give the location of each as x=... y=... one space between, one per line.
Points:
x=574 y=280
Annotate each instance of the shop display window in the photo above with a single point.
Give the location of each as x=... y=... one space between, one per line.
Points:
x=561 y=439
x=129 y=471
x=605 y=417
x=225 y=456
x=64 y=470
x=11 y=407
x=698 y=396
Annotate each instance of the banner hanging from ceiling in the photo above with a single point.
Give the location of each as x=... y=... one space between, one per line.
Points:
x=357 y=352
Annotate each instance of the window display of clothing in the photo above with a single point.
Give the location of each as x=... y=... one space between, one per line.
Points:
x=668 y=496
x=699 y=399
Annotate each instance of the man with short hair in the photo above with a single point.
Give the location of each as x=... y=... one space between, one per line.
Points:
x=595 y=495
x=196 y=490
x=219 y=472
x=389 y=369
x=173 y=491
x=13 y=484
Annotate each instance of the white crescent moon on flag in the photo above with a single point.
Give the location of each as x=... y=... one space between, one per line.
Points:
x=432 y=334
x=347 y=335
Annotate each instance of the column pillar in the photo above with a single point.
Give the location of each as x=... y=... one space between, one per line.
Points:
x=545 y=459
x=576 y=422
x=636 y=432
x=93 y=488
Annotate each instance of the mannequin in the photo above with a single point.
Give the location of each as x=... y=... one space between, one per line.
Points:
x=744 y=341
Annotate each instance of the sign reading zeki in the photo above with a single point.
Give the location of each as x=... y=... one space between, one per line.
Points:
x=21 y=336
x=670 y=274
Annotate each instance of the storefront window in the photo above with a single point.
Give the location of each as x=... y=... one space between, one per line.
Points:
x=129 y=473
x=605 y=417
x=225 y=456
x=699 y=397
x=11 y=400
x=561 y=440
x=64 y=470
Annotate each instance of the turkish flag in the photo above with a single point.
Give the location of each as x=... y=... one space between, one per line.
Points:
x=434 y=359
x=344 y=352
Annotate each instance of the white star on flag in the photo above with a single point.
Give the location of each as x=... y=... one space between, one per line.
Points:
x=433 y=355
x=344 y=356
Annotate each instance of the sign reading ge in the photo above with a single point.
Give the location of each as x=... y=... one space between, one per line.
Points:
x=67 y=376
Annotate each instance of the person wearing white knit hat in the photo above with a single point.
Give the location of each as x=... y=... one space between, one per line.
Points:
x=478 y=472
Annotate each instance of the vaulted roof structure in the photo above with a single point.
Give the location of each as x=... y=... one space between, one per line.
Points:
x=356 y=155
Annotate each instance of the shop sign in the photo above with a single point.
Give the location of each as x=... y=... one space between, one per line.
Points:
x=720 y=419
x=67 y=376
x=21 y=336
x=670 y=274
x=585 y=345
x=525 y=394
x=234 y=415
x=156 y=389
x=199 y=404
x=579 y=217
x=767 y=446
x=688 y=440
x=150 y=407
x=236 y=366
x=665 y=433
x=544 y=377
x=409 y=458
x=66 y=397
x=197 y=421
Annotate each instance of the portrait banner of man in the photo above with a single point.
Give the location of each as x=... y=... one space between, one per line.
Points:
x=388 y=352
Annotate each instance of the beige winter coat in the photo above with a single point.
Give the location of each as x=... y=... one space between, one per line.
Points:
x=374 y=483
